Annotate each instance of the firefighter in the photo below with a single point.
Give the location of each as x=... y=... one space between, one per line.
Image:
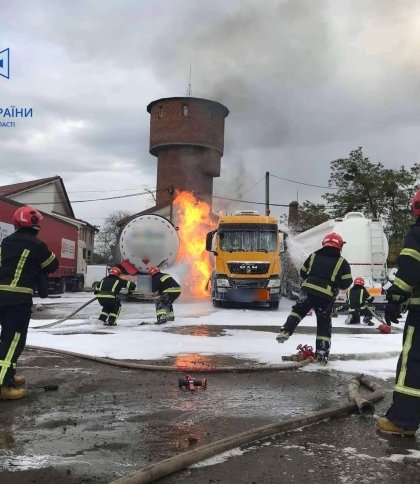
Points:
x=359 y=299
x=167 y=290
x=324 y=273
x=403 y=417
x=25 y=260
x=107 y=293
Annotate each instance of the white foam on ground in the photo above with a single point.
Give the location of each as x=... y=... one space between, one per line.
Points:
x=128 y=340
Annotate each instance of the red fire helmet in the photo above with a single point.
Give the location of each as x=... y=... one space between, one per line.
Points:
x=27 y=217
x=333 y=240
x=153 y=271
x=115 y=271
x=415 y=204
x=360 y=281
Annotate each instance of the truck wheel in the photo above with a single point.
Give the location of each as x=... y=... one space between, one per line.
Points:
x=217 y=304
x=62 y=285
x=274 y=305
x=80 y=284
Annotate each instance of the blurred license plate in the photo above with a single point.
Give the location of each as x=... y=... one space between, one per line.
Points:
x=263 y=294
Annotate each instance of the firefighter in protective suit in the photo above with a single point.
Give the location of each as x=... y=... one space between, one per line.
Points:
x=167 y=290
x=324 y=273
x=359 y=299
x=403 y=417
x=107 y=293
x=25 y=261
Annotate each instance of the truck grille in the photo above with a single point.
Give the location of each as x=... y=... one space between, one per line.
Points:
x=248 y=267
x=251 y=283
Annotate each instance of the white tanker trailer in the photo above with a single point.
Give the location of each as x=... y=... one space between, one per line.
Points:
x=147 y=241
x=366 y=249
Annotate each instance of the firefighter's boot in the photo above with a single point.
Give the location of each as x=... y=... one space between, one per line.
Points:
x=368 y=321
x=19 y=380
x=387 y=427
x=282 y=336
x=322 y=357
x=11 y=393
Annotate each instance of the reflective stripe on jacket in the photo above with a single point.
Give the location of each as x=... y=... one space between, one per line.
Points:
x=23 y=258
x=110 y=287
x=324 y=272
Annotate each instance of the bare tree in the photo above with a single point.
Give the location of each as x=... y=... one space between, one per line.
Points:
x=108 y=235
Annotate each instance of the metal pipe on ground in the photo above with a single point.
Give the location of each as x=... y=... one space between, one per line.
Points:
x=174 y=464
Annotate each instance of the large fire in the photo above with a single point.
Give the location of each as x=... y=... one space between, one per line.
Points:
x=194 y=222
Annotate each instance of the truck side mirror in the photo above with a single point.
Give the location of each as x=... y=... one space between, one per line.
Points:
x=209 y=242
x=283 y=244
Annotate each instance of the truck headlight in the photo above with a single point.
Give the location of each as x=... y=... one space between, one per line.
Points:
x=274 y=282
x=222 y=283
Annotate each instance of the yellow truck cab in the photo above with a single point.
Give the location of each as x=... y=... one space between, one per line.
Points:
x=246 y=248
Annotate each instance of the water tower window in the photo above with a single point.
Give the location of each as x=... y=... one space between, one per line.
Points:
x=185 y=110
x=160 y=112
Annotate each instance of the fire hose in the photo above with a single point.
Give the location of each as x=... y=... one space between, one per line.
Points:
x=174 y=464
x=141 y=366
x=55 y=323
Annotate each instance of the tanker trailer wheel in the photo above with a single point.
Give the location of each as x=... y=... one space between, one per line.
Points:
x=62 y=285
x=274 y=305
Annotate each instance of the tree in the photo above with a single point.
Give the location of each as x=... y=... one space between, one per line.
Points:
x=359 y=186
x=108 y=235
x=376 y=191
x=309 y=215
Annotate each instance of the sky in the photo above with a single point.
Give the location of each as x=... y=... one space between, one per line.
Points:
x=306 y=82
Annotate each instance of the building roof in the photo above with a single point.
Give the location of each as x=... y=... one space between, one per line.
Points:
x=7 y=190
x=16 y=188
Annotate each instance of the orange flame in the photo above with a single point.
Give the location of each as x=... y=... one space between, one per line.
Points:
x=194 y=221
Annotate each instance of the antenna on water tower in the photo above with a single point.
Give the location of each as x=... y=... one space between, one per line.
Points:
x=189 y=90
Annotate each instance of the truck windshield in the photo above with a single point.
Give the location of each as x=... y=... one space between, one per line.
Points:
x=248 y=241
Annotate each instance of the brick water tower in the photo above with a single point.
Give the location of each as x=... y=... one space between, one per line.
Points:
x=187 y=137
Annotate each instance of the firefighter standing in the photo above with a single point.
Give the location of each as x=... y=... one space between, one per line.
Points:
x=168 y=290
x=403 y=417
x=358 y=299
x=107 y=293
x=324 y=273
x=24 y=261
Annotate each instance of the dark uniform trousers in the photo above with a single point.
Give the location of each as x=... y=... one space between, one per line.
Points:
x=111 y=308
x=164 y=306
x=14 y=320
x=405 y=409
x=323 y=308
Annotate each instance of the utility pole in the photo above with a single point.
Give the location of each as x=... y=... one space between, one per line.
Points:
x=267 y=193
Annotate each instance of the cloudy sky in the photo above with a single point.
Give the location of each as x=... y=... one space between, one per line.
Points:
x=306 y=81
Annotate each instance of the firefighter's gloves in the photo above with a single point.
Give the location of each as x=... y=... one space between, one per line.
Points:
x=392 y=311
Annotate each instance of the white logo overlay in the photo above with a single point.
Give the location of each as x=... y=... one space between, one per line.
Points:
x=5 y=63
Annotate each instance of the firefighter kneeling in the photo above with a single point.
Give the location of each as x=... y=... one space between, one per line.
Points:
x=107 y=293
x=359 y=299
x=168 y=290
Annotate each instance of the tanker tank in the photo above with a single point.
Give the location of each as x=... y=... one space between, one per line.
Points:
x=147 y=241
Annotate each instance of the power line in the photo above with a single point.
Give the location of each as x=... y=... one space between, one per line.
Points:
x=105 y=198
x=302 y=183
x=248 y=201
